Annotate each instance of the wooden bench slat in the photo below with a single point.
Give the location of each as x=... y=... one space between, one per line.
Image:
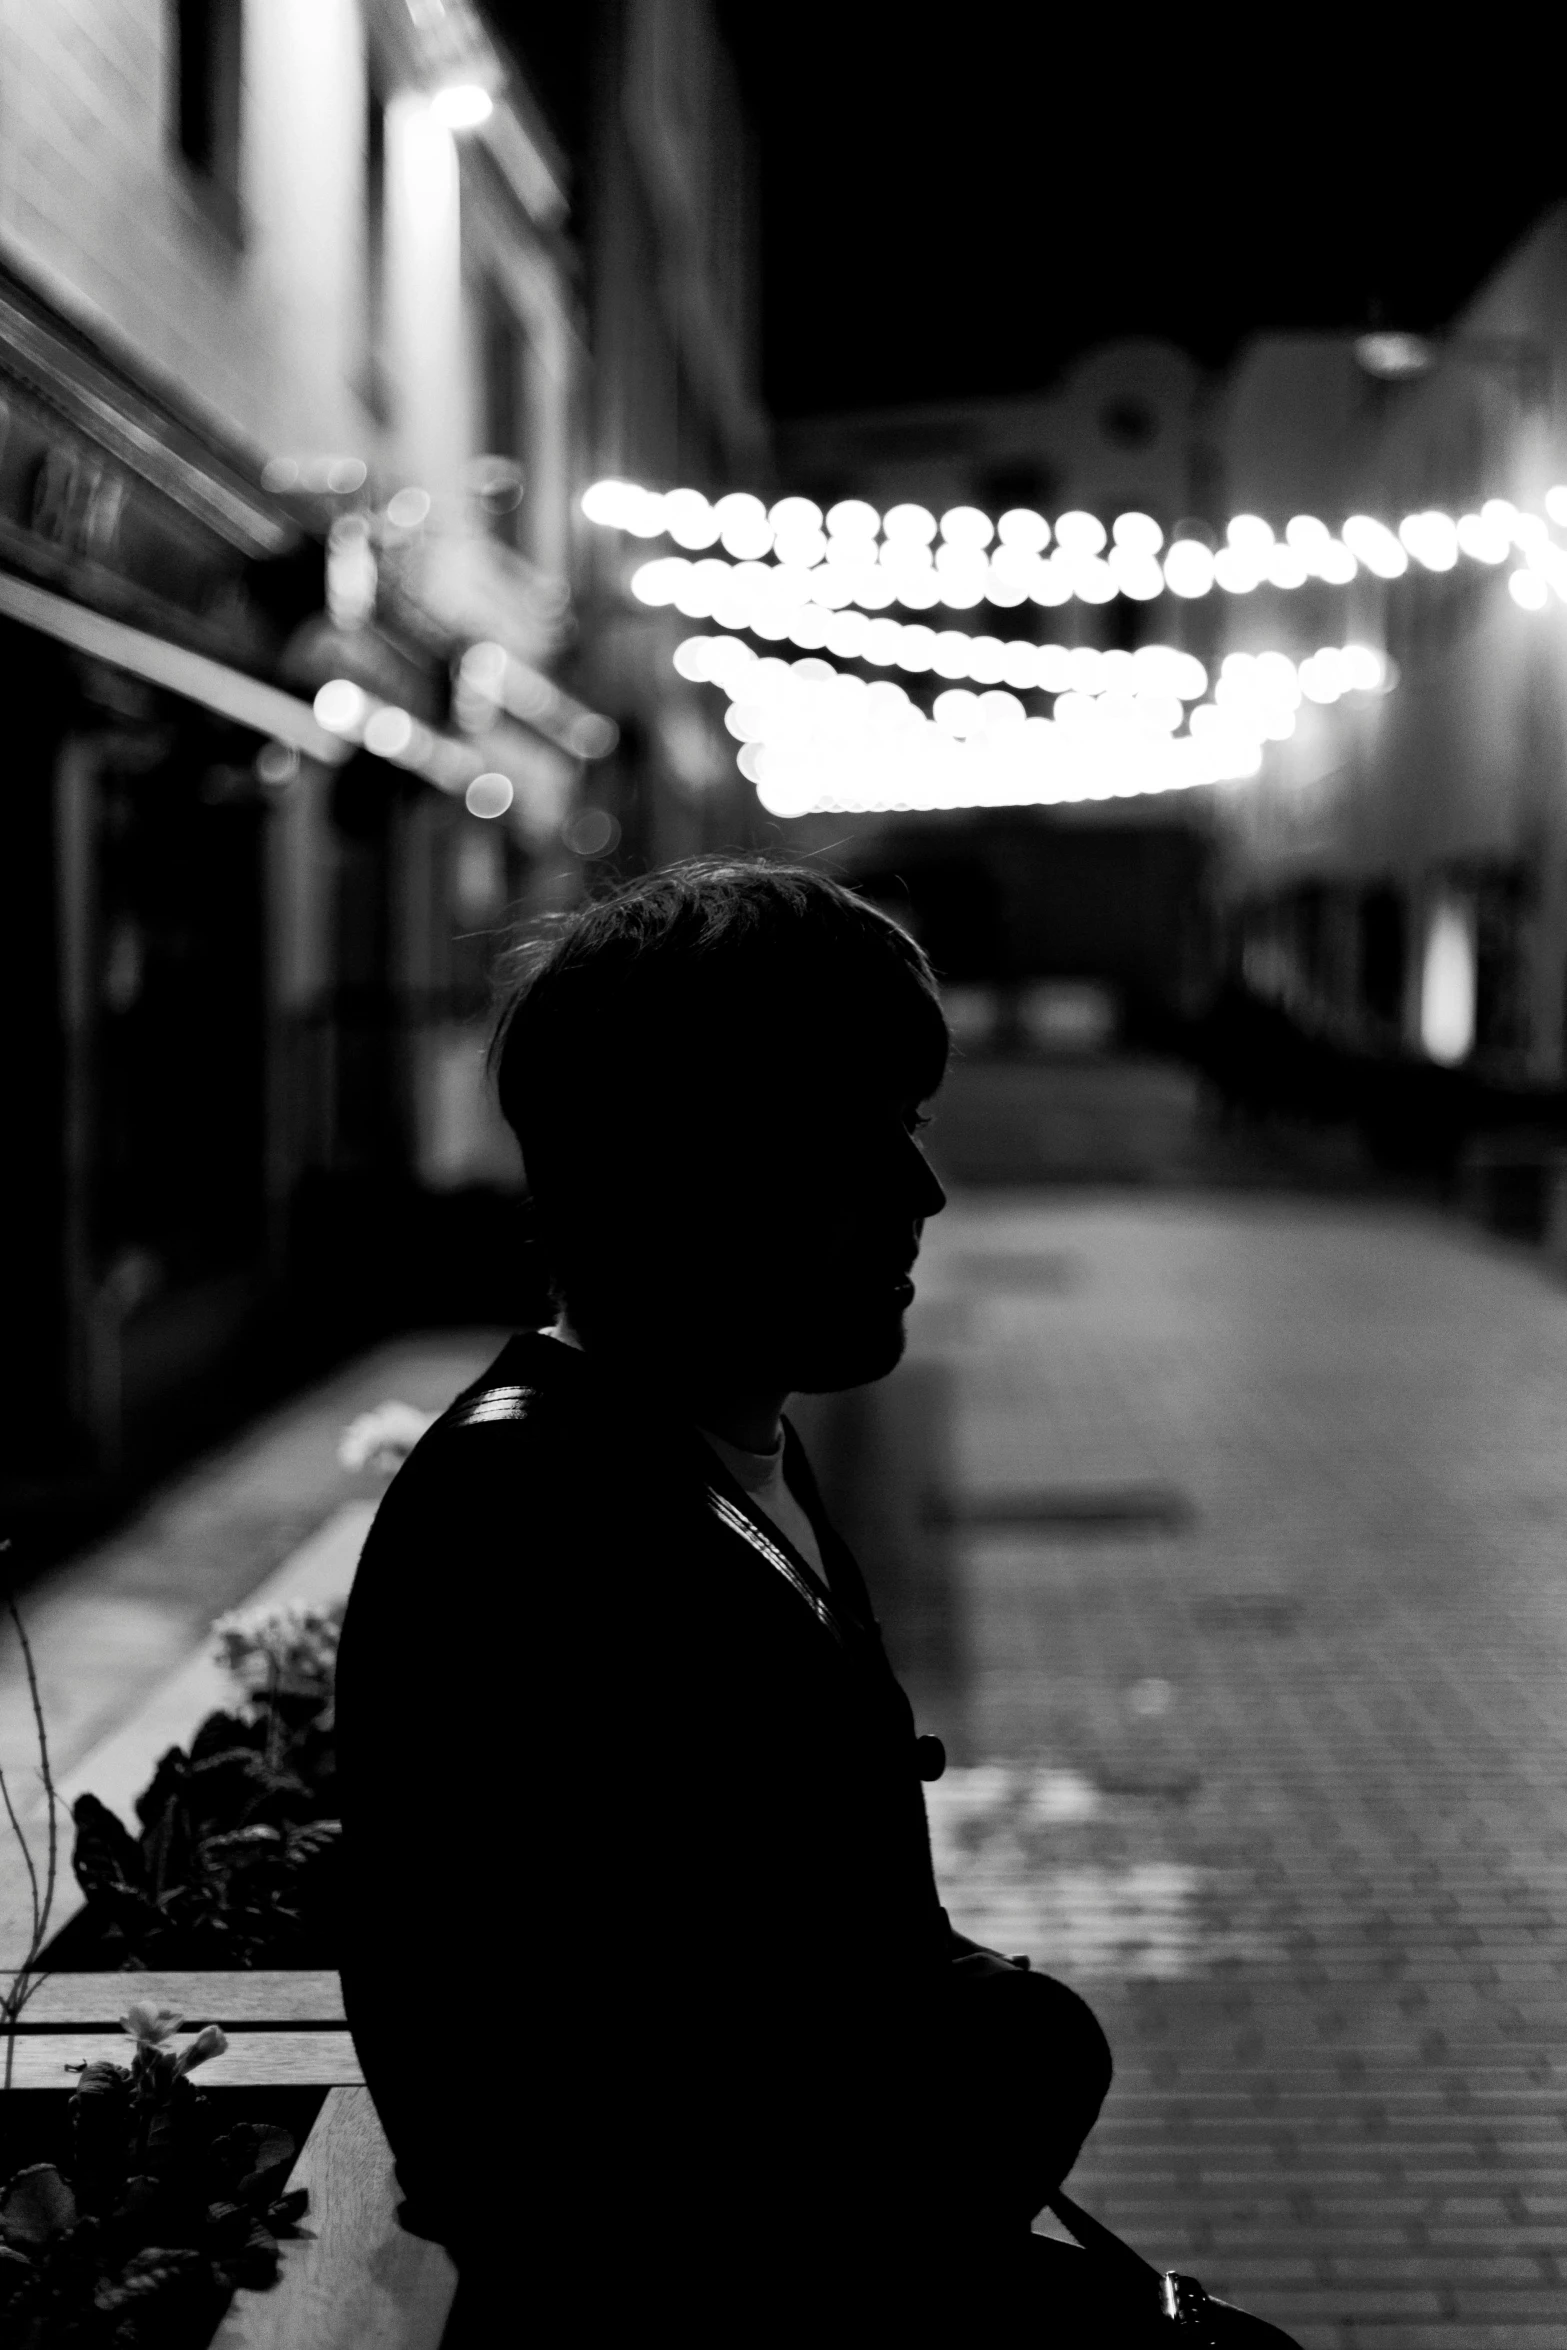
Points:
x=292 y=2059
x=359 y=2281
x=230 y=1996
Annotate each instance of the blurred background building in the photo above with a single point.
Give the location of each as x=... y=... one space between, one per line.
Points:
x=1397 y=873
x=315 y=317
x=316 y=323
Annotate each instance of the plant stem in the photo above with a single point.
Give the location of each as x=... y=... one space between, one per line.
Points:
x=26 y=1980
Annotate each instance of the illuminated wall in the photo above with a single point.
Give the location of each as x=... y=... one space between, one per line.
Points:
x=1450 y=792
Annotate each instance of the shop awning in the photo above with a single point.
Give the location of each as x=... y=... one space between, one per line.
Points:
x=216 y=687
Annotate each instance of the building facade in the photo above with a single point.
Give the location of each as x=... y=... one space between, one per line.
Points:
x=314 y=690
x=1397 y=875
x=671 y=234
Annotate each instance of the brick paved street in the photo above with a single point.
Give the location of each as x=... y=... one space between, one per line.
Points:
x=1248 y=1636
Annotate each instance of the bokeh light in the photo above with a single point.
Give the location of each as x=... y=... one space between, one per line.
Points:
x=591 y=832
x=1136 y=573
x=1188 y=568
x=1285 y=566
x=1432 y=538
x=1372 y=543
x=1021 y=527
x=388 y=732
x=743 y=527
x=1138 y=533
x=1079 y=533
x=689 y=519
x=795 y=514
x=1249 y=535
x=340 y=706
x=1236 y=570
x=908 y=525
x=966 y=526
x=852 y=519
x=406 y=509
x=489 y=795
x=462 y=106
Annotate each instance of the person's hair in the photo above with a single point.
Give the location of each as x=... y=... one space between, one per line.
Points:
x=627 y=1022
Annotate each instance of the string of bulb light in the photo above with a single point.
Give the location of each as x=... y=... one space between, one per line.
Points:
x=791 y=556
x=818 y=740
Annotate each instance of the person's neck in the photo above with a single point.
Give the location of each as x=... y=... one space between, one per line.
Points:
x=753 y=1422
x=745 y=1416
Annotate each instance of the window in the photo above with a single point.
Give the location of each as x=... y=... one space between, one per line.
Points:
x=374 y=388
x=1447 y=981
x=1383 y=952
x=499 y=478
x=207 y=99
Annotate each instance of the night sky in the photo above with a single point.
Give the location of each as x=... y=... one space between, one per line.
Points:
x=957 y=204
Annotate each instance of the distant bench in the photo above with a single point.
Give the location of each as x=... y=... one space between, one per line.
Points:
x=358 y=2279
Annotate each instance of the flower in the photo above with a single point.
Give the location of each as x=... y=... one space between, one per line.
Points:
x=209 y=2041
x=290 y=1651
x=384 y=1438
x=150 y=2025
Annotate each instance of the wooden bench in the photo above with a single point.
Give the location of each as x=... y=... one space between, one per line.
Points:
x=358 y=2280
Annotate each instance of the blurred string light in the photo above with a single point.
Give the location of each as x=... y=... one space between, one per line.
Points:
x=769 y=563
x=345 y=710
x=819 y=740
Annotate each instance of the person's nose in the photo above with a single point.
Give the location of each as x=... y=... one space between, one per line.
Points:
x=929 y=1196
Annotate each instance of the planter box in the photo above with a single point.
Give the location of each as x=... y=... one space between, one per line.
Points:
x=358 y=2277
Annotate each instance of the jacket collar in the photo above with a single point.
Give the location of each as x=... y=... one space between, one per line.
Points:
x=535 y=1362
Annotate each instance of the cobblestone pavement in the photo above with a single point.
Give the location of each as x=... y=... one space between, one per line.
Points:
x=1247 y=1631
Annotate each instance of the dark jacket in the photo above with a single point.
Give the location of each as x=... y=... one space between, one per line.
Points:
x=640 y=1895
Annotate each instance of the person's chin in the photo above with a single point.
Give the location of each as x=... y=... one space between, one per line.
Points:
x=851 y=1352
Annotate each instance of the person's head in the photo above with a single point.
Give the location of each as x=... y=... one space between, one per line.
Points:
x=715 y=1074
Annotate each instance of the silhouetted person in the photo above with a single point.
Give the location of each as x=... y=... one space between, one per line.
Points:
x=644 y=1956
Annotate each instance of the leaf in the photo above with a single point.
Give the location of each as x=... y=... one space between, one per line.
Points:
x=37 y=2206
x=256 y=2264
x=106 y=1856
x=316 y=1836
x=222 y=1735
x=169 y=1843
x=287 y=2209
x=228 y=2226
x=100 y=2134
x=101 y=2079
x=166 y=1786
x=237 y=1844
x=261 y=2185
x=150 y=2272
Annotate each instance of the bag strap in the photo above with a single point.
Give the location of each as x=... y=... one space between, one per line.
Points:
x=1182 y=2299
x=1095 y=2237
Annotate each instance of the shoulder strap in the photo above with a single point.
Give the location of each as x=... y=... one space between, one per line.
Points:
x=500 y=1406
x=491 y=1406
